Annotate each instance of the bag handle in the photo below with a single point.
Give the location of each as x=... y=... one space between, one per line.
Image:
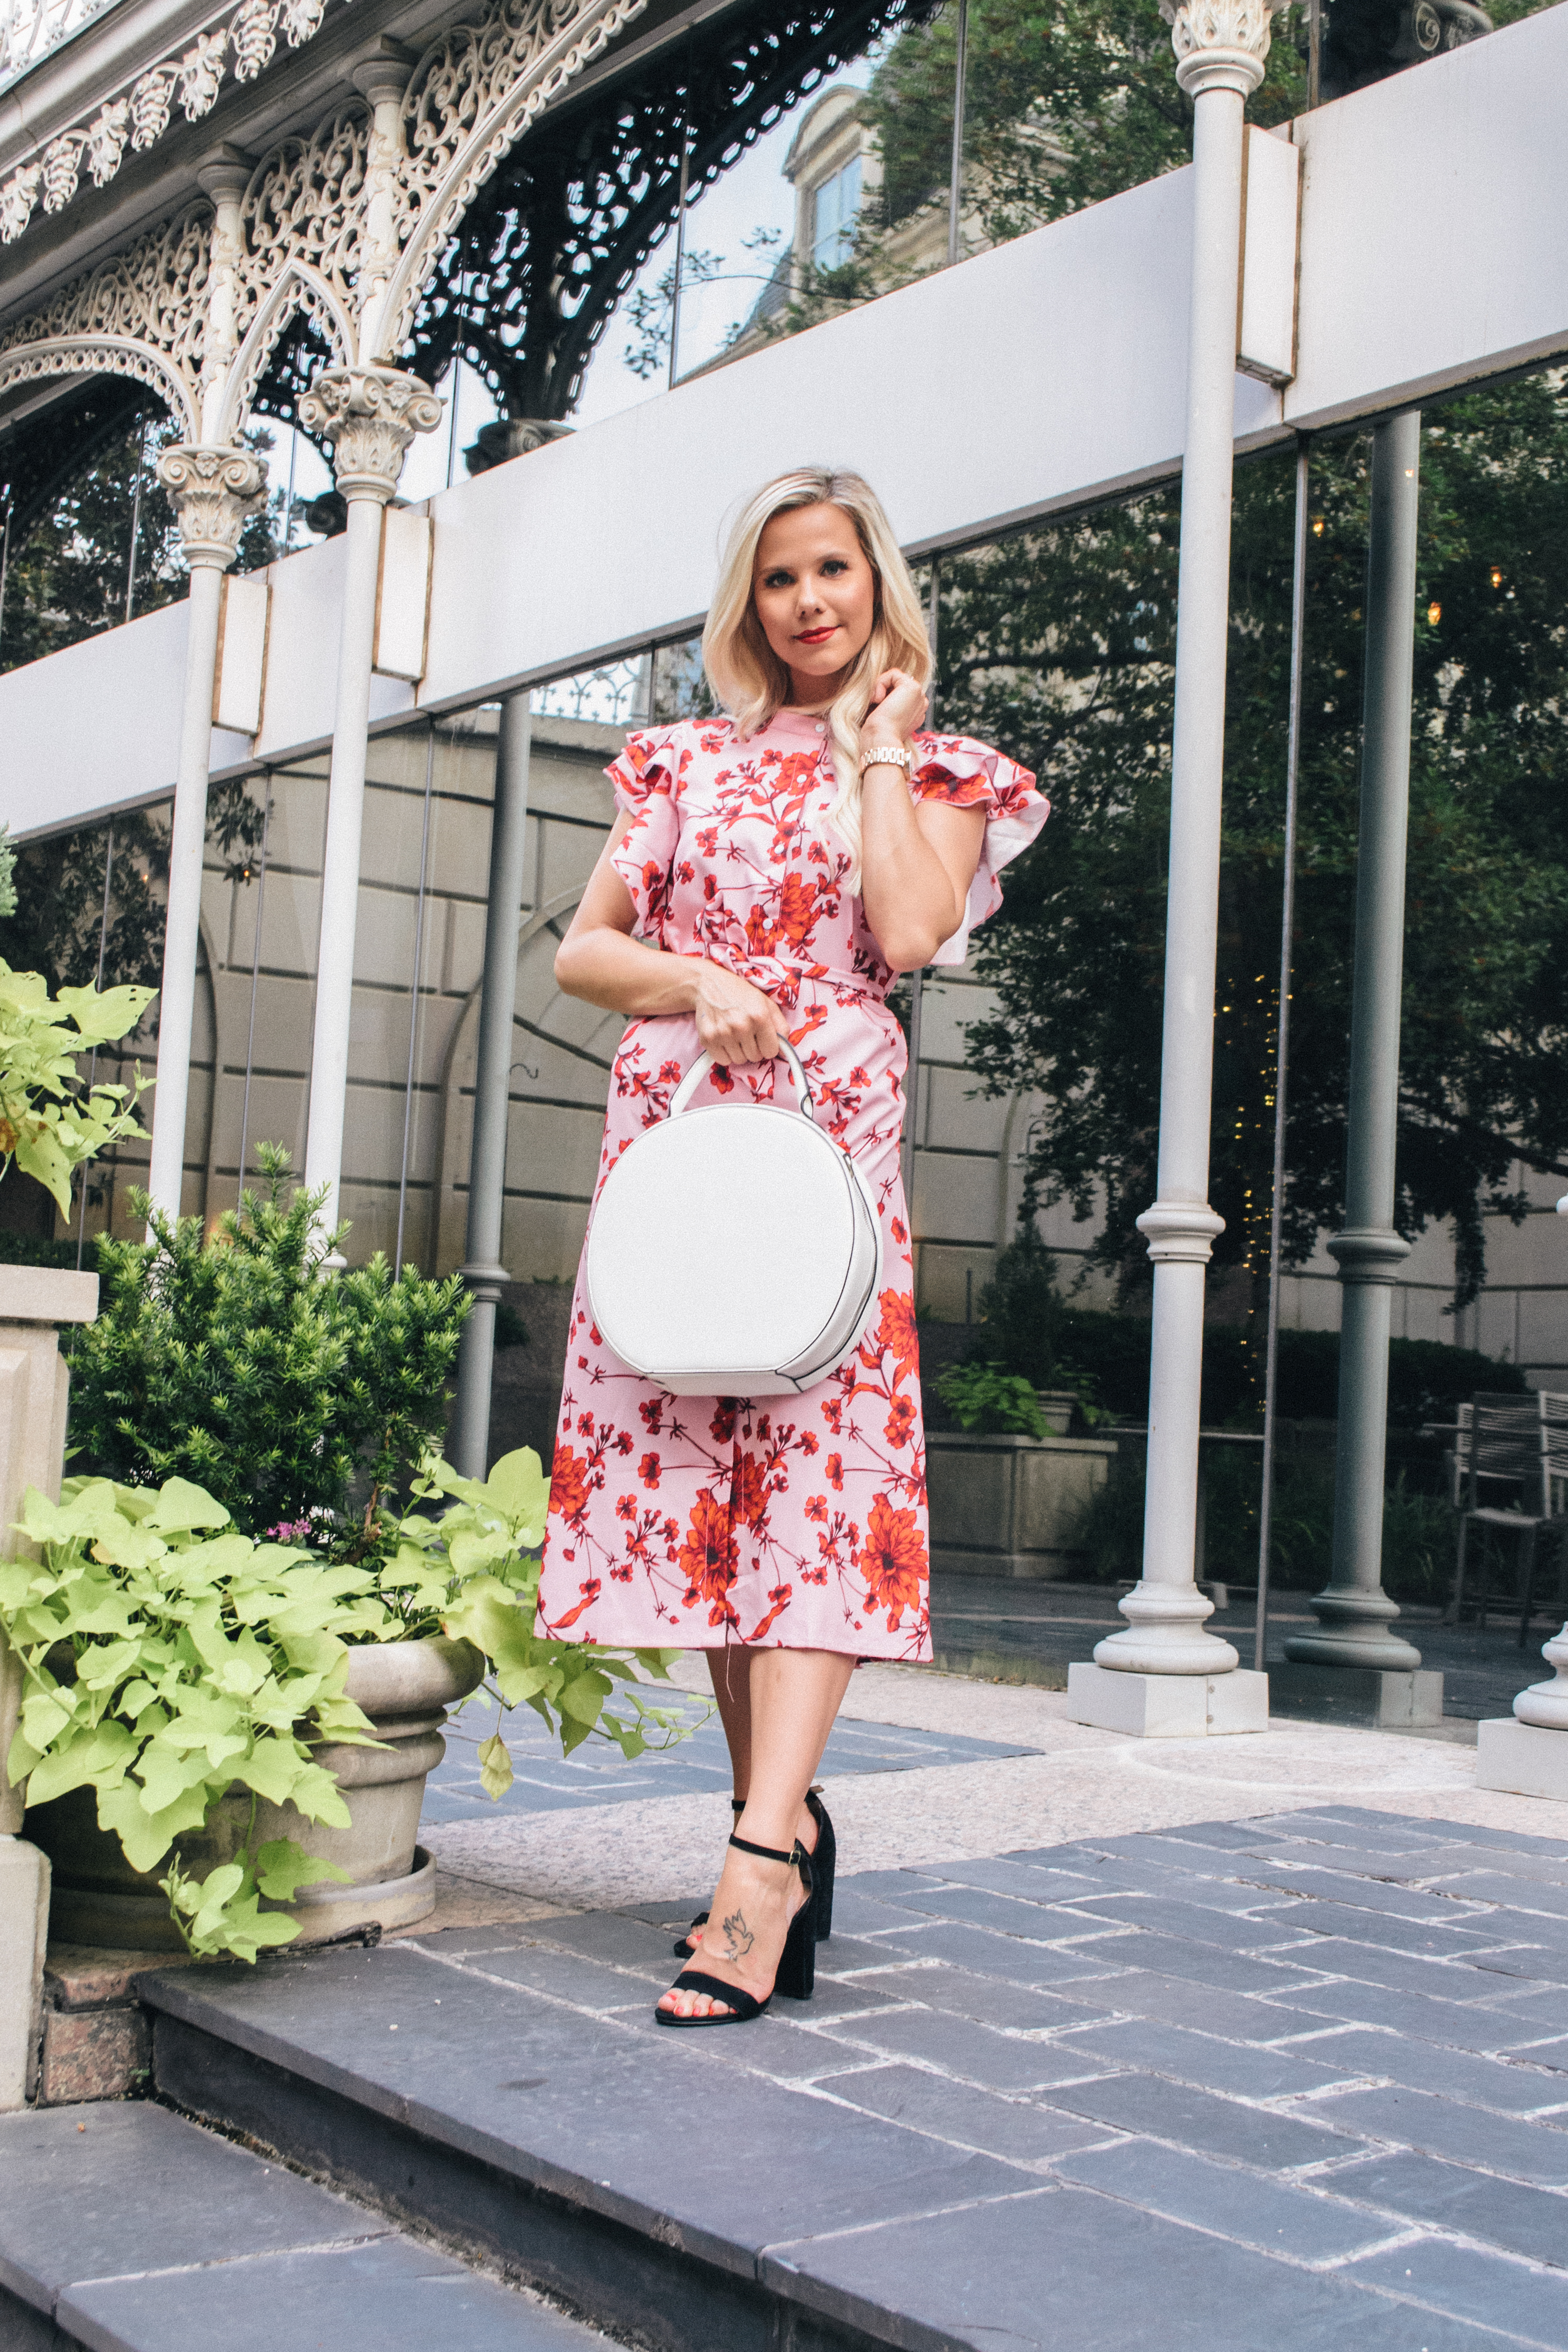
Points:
x=704 y=1063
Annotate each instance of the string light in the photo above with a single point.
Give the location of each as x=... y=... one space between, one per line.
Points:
x=1318 y=526
x=1434 y=614
x=1497 y=575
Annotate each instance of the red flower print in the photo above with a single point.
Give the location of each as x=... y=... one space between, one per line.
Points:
x=748 y=1497
x=779 y=1597
x=710 y=1557
x=590 y=1591
x=895 y=1333
x=624 y=1441
x=653 y=1412
x=900 y=1421
x=797 y=910
x=721 y=1428
x=626 y=1507
x=648 y=1470
x=893 y=1561
x=833 y=1471
x=570 y=1485
x=899 y=1232
x=817 y=1507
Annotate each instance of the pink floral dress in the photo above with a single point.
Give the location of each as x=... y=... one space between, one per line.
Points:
x=691 y=1522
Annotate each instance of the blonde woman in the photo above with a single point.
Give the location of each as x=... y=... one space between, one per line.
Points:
x=770 y=875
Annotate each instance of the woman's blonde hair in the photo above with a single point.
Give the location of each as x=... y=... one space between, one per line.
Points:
x=747 y=675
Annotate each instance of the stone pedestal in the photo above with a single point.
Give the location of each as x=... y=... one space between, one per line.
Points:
x=1530 y=1754
x=1388 y=1698
x=1006 y=1505
x=33 y=1388
x=1169 y=1707
x=1521 y=1757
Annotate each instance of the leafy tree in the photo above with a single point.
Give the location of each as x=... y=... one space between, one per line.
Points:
x=68 y=578
x=1061 y=644
x=240 y=1363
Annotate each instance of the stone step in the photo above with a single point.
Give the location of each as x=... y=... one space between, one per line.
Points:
x=1296 y=2080
x=556 y=2144
x=124 y=2227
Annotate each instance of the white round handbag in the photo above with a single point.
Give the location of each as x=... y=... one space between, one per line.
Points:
x=735 y=1250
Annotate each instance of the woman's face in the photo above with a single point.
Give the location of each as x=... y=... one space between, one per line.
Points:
x=815 y=595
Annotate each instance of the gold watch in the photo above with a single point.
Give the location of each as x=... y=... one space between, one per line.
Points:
x=896 y=755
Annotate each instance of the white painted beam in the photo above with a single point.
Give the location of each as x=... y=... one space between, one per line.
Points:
x=1029 y=380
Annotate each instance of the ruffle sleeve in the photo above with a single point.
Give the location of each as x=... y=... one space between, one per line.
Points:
x=647 y=776
x=961 y=773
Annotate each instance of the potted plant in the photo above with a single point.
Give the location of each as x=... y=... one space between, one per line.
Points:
x=239 y=1653
x=255 y=1720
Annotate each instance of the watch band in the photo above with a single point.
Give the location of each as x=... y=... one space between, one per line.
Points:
x=889 y=756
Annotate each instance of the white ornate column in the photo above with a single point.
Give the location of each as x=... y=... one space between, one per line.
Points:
x=369 y=414
x=1166 y=1675
x=213 y=489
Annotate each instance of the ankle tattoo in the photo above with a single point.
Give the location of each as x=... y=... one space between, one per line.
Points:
x=739 y=1935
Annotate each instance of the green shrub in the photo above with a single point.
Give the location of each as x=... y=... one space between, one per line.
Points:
x=38 y=1249
x=1418 y=1530
x=239 y=1363
x=511 y=1331
x=1108 y=1356
x=985 y=1397
x=1023 y=1311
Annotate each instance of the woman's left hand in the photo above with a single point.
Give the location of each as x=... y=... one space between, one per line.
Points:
x=898 y=710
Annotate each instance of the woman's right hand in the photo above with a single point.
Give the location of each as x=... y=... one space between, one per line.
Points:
x=736 y=1023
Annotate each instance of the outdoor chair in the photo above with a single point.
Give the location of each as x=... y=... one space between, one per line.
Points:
x=1510 y=1472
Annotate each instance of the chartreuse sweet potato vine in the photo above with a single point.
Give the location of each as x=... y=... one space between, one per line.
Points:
x=170 y=1660
x=50 y=1122
x=475 y=1572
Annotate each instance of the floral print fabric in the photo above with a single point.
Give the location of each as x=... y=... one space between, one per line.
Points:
x=691 y=1522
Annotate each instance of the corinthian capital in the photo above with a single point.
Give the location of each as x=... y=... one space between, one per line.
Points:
x=369 y=414
x=1219 y=44
x=213 y=489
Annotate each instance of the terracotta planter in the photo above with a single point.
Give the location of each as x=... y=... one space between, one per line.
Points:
x=406 y=1688
x=1003 y=1506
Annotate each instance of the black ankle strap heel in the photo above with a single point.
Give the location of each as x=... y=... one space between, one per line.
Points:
x=795 y=1978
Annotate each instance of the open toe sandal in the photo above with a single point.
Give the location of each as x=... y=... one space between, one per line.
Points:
x=795 y=1978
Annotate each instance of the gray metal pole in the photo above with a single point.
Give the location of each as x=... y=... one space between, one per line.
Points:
x=680 y=255
x=917 y=979
x=484 y=1272
x=960 y=93
x=1283 y=1052
x=1354 y=1614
